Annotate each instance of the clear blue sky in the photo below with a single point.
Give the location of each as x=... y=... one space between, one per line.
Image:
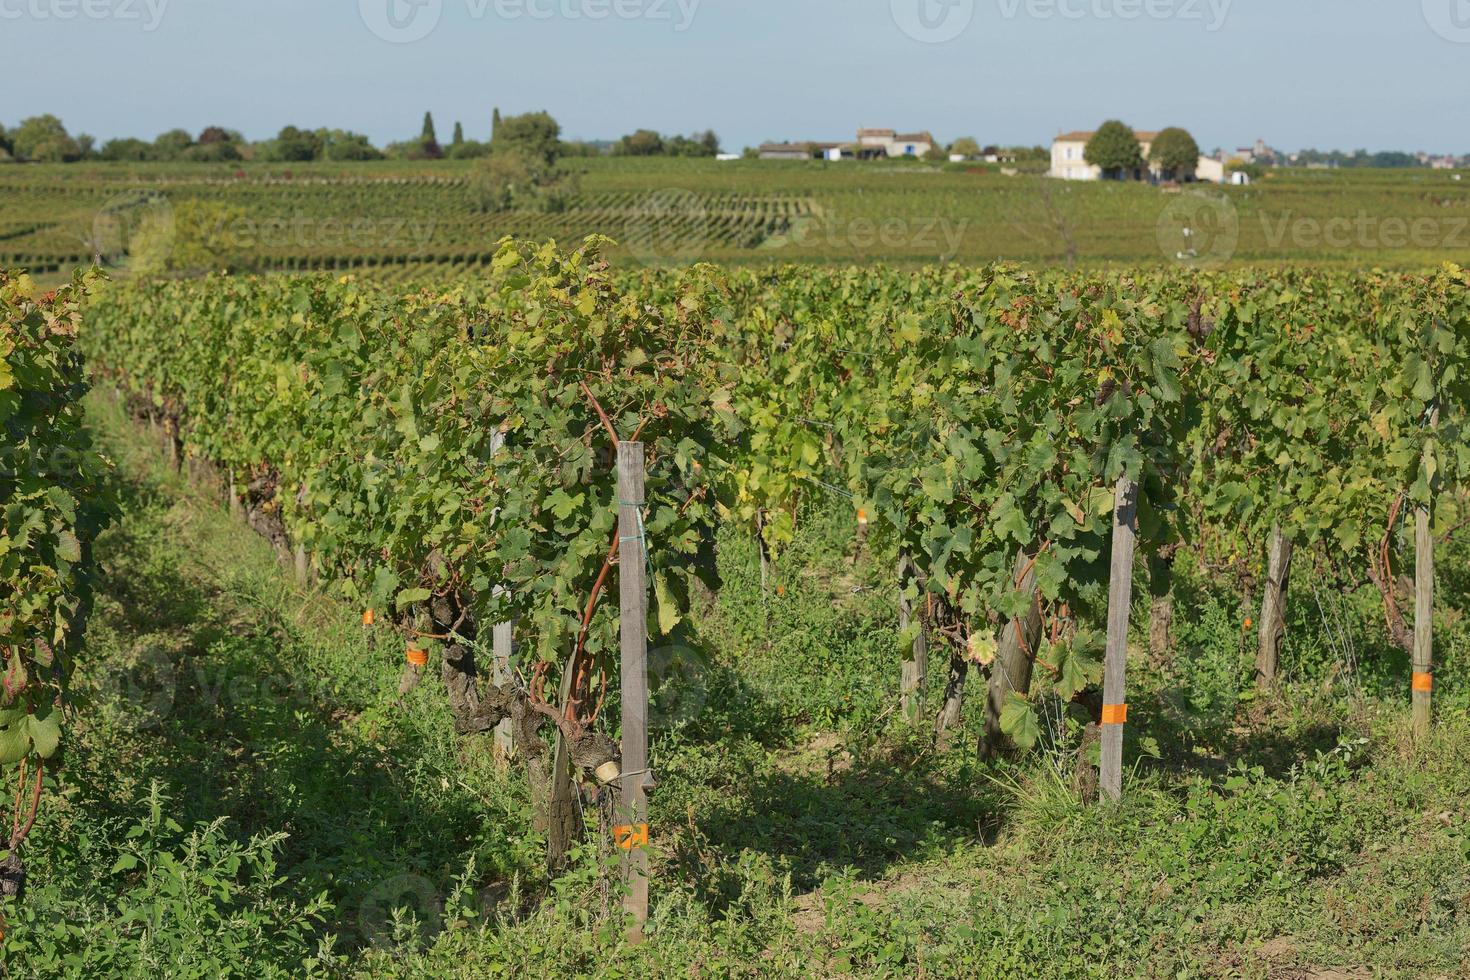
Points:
x=1324 y=73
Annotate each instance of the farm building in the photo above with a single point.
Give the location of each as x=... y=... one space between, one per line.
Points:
x=871 y=144
x=1068 y=161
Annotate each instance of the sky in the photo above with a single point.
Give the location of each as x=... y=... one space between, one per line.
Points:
x=1343 y=74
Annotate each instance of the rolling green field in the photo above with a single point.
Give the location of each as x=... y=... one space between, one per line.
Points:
x=404 y=220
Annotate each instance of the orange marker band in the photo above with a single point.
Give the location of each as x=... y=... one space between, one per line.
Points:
x=628 y=837
x=368 y=616
x=1115 y=714
x=1423 y=683
x=419 y=658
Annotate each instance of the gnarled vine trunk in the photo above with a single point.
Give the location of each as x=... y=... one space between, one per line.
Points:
x=1015 y=659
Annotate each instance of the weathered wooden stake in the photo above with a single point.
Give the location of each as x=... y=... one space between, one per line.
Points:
x=502 y=637
x=1273 y=608
x=1115 y=667
x=631 y=835
x=1423 y=684
x=916 y=667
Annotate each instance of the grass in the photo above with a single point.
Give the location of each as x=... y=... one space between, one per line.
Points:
x=246 y=795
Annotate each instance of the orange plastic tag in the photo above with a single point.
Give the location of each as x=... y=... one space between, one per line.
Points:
x=1115 y=714
x=368 y=616
x=862 y=516
x=628 y=837
x=1424 y=683
x=419 y=658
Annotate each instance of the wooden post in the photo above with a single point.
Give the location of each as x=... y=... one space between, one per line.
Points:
x=1273 y=608
x=1423 y=684
x=631 y=834
x=502 y=636
x=916 y=666
x=1115 y=667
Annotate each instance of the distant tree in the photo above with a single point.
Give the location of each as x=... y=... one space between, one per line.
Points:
x=468 y=150
x=535 y=134
x=1115 y=150
x=458 y=135
x=5 y=145
x=126 y=150
x=494 y=124
x=219 y=151
x=709 y=141
x=218 y=134
x=87 y=146
x=966 y=146
x=172 y=144
x=750 y=153
x=43 y=139
x=513 y=179
x=1175 y=153
x=428 y=135
x=197 y=237
x=293 y=145
x=643 y=143
x=339 y=144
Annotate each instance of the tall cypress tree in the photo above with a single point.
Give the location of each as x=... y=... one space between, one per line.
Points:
x=429 y=136
x=495 y=123
x=458 y=135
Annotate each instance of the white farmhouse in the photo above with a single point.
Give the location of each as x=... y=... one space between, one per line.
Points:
x=1067 y=162
x=887 y=142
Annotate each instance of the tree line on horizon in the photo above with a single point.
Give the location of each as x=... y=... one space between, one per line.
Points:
x=45 y=139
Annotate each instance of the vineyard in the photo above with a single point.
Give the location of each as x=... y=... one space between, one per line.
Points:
x=390 y=219
x=1117 y=582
